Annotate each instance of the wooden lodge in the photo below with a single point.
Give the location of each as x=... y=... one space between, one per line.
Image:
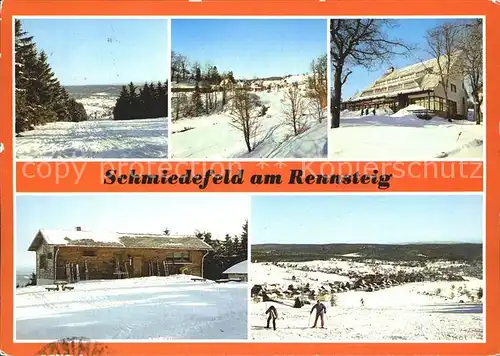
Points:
x=417 y=84
x=77 y=255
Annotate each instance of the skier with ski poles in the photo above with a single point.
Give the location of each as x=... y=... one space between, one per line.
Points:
x=320 y=312
x=273 y=314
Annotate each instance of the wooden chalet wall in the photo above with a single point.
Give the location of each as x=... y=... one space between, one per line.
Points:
x=101 y=263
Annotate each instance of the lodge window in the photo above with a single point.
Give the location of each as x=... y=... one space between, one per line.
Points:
x=49 y=255
x=89 y=253
x=453 y=88
x=178 y=256
x=42 y=263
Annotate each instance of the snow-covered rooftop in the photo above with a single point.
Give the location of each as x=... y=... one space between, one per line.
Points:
x=239 y=268
x=115 y=239
x=417 y=77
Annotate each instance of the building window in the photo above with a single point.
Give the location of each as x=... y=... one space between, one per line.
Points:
x=453 y=88
x=42 y=263
x=89 y=253
x=178 y=256
x=49 y=255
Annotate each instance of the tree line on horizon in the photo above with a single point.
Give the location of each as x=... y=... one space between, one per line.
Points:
x=225 y=253
x=148 y=102
x=207 y=80
x=39 y=96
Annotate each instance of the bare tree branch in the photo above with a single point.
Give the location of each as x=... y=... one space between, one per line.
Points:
x=359 y=42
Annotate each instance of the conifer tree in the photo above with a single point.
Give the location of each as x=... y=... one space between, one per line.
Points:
x=40 y=98
x=197 y=101
x=149 y=102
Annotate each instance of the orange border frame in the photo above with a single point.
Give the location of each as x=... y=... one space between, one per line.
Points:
x=328 y=8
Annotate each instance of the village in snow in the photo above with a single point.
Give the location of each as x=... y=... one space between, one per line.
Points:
x=383 y=280
x=222 y=112
x=368 y=300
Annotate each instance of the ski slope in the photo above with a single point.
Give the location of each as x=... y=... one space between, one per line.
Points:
x=213 y=137
x=106 y=139
x=403 y=136
x=419 y=311
x=149 y=308
x=393 y=314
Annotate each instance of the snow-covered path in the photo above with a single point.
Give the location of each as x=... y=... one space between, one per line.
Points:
x=212 y=136
x=96 y=139
x=153 y=308
x=404 y=138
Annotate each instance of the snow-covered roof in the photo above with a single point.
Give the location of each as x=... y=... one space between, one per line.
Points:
x=417 y=77
x=116 y=239
x=239 y=268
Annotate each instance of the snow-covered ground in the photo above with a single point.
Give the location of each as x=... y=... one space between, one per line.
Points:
x=212 y=136
x=96 y=139
x=152 y=308
x=432 y=311
x=403 y=136
x=99 y=137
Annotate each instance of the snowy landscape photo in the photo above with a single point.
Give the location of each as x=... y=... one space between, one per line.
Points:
x=367 y=268
x=98 y=100
x=410 y=89
x=249 y=89
x=158 y=274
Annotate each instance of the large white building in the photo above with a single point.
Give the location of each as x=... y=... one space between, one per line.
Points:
x=418 y=84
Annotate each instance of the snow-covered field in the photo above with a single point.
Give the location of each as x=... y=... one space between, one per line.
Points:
x=431 y=311
x=99 y=106
x=403 y=136
x=99 y=137
x=152 y=308
x=96 y=139
x=212 y=136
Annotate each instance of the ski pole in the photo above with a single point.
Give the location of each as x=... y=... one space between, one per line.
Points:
x=309 y=322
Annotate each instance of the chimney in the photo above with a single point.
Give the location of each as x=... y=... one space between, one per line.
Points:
x=78 y=228
x=390 y=70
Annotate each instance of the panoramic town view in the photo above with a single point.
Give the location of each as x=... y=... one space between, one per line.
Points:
x=408 y=272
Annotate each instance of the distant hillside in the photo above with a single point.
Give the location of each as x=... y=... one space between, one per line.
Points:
x=84 y=91
x=412 y=252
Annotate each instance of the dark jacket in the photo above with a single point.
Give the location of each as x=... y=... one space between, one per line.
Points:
x=320 y=309
x=272 y=310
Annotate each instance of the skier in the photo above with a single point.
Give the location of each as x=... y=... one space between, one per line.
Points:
x=273 y=314
x=362 y=302
x=320 y=311
x=374 y=111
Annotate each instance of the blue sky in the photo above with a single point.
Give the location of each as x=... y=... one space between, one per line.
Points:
x=252 y=47
x=103 y=51
x=411 y=31
x=384 y=219
x=181 y=213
